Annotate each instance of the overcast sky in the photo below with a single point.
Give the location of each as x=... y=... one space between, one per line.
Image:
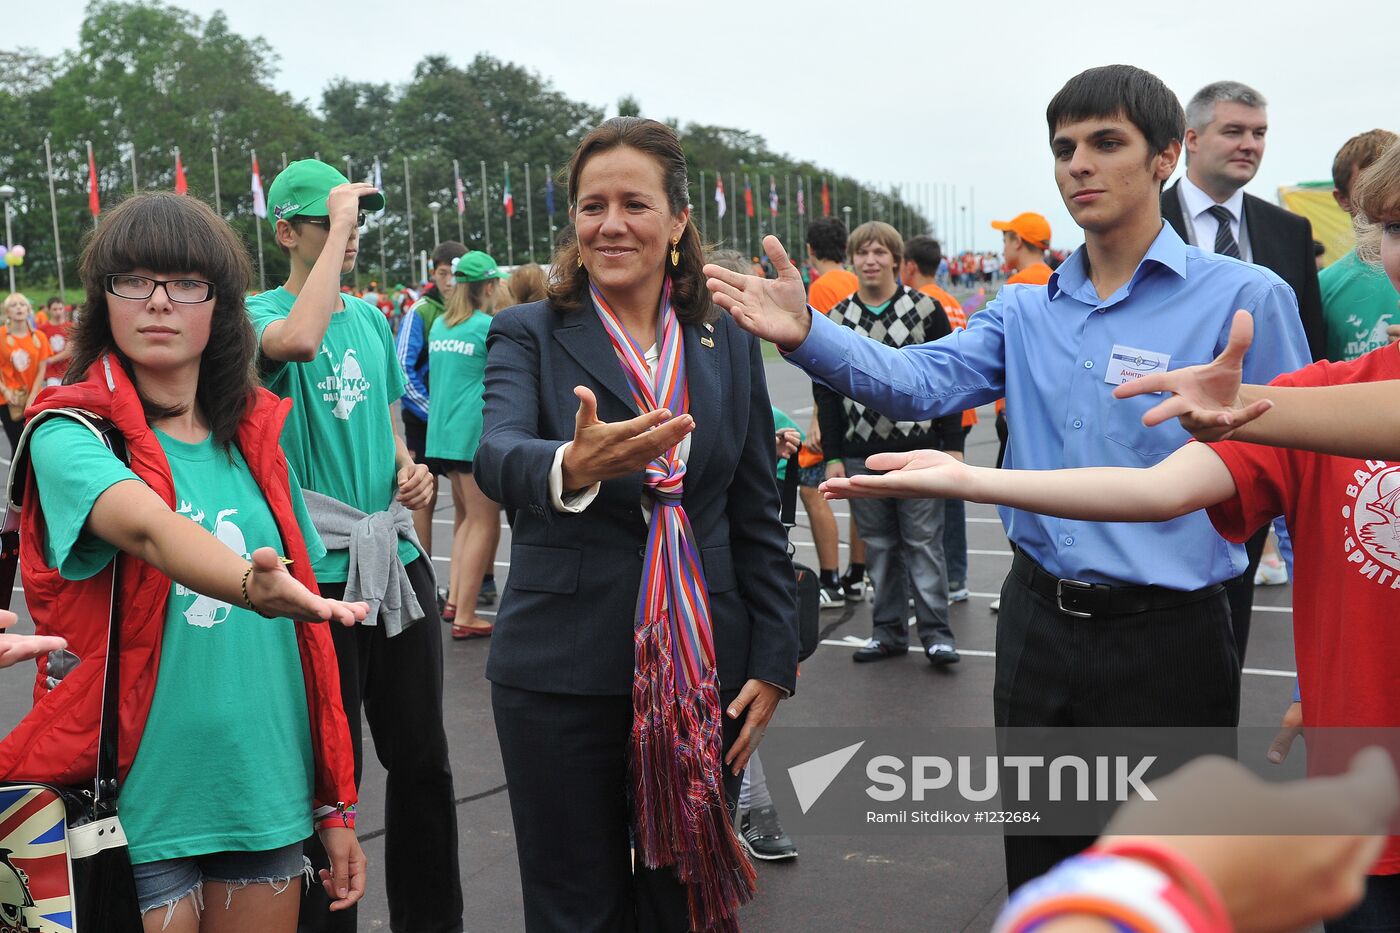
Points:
x=892 y=91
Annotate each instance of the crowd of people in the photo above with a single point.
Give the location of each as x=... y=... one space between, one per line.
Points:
x=616 y=407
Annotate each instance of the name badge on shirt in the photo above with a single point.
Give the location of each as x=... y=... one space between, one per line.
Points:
x=1128 y=363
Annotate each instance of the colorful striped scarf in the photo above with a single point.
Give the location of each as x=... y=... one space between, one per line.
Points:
x=677 y=725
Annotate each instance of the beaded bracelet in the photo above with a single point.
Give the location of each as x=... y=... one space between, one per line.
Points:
x=248 y=600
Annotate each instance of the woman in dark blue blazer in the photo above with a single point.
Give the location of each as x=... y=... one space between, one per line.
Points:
x=628 y=427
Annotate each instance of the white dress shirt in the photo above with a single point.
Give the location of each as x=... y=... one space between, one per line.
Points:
x=1197 y=206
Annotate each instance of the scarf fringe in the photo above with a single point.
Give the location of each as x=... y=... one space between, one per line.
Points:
x=682 y=819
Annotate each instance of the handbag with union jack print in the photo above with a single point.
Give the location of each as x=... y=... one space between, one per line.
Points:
x=64 y=865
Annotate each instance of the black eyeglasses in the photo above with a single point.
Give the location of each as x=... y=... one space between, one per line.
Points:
x=140 y=287
x=325 y=222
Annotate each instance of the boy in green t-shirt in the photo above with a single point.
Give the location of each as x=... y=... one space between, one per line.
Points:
x=333 y=354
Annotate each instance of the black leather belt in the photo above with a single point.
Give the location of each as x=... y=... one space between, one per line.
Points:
x=1087 y=600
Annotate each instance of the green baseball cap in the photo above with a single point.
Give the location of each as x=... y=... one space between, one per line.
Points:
x=302 y=187
x=476 y=266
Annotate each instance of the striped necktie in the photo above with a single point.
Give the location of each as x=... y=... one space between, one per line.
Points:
x=1225 y=243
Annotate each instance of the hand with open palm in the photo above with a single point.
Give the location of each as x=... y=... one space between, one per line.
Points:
x=1205 y=398
x=771 y=309
x=913 y=474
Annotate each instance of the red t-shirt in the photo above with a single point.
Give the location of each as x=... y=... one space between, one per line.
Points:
x=1344 y=518
x=58 y=335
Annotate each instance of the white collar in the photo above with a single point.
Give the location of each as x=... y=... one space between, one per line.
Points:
x=1198 y=202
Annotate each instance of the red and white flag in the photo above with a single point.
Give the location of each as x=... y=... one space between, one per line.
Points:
x=459 y=188
x=719 y=195
x=259 y=202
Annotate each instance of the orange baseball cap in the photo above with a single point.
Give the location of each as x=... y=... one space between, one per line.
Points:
x=1032 y=228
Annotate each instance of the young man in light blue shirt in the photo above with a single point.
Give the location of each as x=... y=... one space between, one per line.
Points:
x=1101 y=624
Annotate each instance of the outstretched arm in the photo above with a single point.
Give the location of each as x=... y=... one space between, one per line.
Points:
x=1360 y=420
x=1190 y=479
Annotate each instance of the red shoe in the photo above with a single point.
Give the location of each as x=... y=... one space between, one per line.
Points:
x=465 y=632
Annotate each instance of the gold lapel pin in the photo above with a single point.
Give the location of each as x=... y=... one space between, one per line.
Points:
x=707 y=342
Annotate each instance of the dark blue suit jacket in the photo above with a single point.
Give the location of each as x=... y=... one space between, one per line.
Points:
x=566 y=618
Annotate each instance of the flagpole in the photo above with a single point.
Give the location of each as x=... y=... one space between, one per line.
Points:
x=510 y=244
x=408 y=217
x=218 y=201
x=257 y=225
x=53 y=208
x=702 y=205
x=135 y=186
x=787 y=202
x=350 y=176
x=529 y=215
x=485 y=208
x=734 y=214
x=456 y=197
x=549 y=191
x=284 y=161
x=92 y=180
x=383 y=266
x=748 y=220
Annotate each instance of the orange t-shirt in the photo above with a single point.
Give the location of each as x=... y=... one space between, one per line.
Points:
x=20 y=359
x=831 y=288
x=957 y=319
x=1037 y=273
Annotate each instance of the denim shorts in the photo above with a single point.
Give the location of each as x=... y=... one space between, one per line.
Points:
x=166 y=882
x=812 y=476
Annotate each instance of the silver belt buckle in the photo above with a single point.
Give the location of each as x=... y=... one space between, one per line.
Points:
x=1060 y=597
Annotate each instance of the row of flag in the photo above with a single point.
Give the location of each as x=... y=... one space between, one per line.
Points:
x=722 y=204
x=507 y=198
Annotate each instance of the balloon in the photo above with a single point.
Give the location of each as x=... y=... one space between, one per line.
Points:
x=3 y=252
x=12 y=260
x=18 y=251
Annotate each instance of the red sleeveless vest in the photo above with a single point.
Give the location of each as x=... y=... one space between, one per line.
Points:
x=57 y=740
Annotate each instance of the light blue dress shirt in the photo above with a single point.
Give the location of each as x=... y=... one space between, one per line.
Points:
x=1047 y=349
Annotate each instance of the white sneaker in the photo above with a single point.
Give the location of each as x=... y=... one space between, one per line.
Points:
x=959 y=595
x=1271 y=573
x=996 y=605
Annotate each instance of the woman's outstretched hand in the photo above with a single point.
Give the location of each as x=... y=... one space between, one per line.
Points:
x=772 y=309
x=602 y=451
x=277 y=593
x=914 y=474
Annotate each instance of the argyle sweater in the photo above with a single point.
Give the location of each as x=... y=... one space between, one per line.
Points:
x=849 y=429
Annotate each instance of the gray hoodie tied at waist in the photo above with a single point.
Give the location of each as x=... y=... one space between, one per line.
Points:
x=377 y=576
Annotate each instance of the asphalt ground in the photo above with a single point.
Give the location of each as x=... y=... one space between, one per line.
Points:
x=869 y=882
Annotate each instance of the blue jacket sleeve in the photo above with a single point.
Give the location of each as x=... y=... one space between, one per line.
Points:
x=408 y=347
x=931 y=380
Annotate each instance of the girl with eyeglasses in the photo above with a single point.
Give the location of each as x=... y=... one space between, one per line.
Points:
x=233 y=743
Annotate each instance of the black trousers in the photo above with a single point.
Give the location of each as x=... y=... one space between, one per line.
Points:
x=14 y=427
x=1175 y=667
x=565 y=759
x=399 y=683
x=1241 y=591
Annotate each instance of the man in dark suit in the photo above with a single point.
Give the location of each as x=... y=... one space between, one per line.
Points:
x=1226 y=123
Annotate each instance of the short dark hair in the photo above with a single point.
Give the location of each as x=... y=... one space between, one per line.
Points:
x=827 y=237
x=924 y=252
x=1111 y=90
x=447 y=252
x=57 y=298
x=166 y=232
